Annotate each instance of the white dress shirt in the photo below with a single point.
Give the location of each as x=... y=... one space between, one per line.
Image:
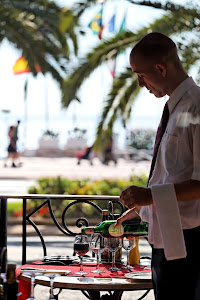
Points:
x=178 y=160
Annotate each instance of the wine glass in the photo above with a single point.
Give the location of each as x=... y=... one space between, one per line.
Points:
x=32 y=275
x=81 y=247
x=128 y=244
x=114 y=244
x=51 y=277
x=3 y=276
x=97 y=246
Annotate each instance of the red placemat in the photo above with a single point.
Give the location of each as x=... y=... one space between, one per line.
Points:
x=24 y=286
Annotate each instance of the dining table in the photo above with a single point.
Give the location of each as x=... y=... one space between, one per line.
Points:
x=91 y=284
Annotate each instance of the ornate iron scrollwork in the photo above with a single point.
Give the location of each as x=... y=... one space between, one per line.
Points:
x=79 y=221
x=82 y=221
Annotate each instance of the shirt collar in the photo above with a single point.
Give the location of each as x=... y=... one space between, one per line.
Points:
x=179 y=92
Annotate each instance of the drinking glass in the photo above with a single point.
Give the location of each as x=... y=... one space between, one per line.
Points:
x=3 y=276
x=97 y=245
x=128 y=244
x=81 y=247
x=114 y=244
x=32 y=275
x=51 y=277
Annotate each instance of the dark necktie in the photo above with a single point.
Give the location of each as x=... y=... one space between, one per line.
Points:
x=159 y=135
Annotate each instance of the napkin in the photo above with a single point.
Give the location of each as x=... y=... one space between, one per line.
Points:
x=164 y=198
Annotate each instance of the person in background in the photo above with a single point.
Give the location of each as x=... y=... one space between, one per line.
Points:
x=12 y=149
x=171 y=201
x=86 y=153
x=108 y=154
x=16 y=138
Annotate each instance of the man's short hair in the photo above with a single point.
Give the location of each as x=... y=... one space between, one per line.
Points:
x=154 y=46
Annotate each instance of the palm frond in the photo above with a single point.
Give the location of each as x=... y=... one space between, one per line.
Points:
x=35 y=27
x=168 y=24
x=119 y=100
x=167 y=6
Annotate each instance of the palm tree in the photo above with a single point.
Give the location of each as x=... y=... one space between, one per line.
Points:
x=41 y=29
x=179 y=22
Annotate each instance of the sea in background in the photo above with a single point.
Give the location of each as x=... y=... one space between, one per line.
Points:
x=62 y=125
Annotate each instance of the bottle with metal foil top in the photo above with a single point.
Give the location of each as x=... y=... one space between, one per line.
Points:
x=11 y=284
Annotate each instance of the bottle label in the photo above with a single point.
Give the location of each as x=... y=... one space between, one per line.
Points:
x=1 y=292
x=116 y=231
x=89 y=230
x=11 y=276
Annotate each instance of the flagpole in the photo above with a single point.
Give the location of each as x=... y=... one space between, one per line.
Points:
x=100 y=37
x=46 y=104
x=25 y=112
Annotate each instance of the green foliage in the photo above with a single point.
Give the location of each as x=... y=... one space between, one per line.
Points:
x=42 y=31
x=14 y=208
x=181 y=22
x=60 y=186
x=141 y=139
x=77 y=133
x=50 y=134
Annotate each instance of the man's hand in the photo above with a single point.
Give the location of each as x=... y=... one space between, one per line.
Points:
x=136 y=196
x=127 y=215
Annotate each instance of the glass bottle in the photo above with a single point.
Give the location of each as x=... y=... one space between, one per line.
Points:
x=105 y=255
x=11 y=284
x=1 y=289
x=118 y=255
x=134 y=256
x=2 y=281
x=132 y=227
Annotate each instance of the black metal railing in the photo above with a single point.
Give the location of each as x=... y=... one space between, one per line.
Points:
x=47 y=201
x=3 y=235
x=27 y=215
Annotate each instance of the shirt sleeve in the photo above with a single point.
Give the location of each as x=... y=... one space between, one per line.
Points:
x=196 y=152
x=144 y=214
x=164 y=198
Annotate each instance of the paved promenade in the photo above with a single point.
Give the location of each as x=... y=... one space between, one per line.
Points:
x=35 y=167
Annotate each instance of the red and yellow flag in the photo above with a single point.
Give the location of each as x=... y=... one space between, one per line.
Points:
x=21 y=66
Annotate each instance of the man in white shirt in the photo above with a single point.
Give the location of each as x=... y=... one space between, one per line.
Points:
x=170 y=203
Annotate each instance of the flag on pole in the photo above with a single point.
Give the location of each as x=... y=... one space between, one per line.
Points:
x=111 y=24
x=21 y=66
x=96 y=24
x=123 y=25
x=112 y=66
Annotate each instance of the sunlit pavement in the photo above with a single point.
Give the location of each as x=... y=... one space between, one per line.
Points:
x=35 y=167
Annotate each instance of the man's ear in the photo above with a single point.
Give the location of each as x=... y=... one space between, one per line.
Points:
x=162 y=70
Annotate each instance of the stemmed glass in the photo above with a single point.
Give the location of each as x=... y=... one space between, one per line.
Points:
x=97 y=245
x=128 y=244
x=114 y=244
x=51 y=277
x=32 y=275
x=3 y=276
x=81 y=247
